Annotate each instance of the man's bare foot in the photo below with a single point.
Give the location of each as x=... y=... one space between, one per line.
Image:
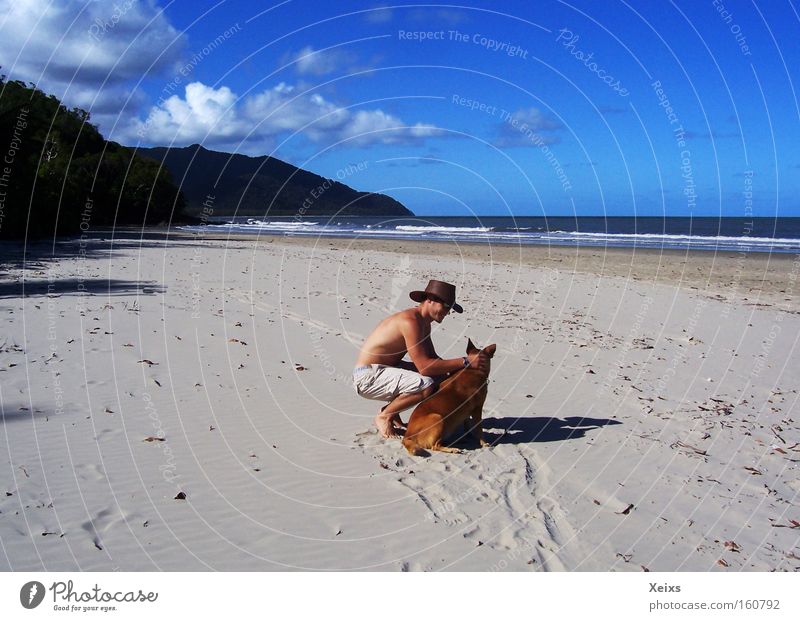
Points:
x=397 y=423
x=385 y=425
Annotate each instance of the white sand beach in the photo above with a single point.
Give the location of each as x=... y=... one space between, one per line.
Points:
x=186 y=404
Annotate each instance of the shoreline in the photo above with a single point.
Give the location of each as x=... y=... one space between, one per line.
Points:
x=752 y=278
x=770 y=277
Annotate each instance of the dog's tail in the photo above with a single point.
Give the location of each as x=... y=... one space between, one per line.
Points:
x=412 y=447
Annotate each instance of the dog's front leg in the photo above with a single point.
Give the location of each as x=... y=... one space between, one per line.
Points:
x=476 y=426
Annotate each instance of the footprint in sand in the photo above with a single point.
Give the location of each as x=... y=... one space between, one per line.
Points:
x=496 y=497
x=92 y=473
x=103 y=521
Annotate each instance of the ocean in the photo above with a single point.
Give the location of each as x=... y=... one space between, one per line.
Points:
x=675 y=233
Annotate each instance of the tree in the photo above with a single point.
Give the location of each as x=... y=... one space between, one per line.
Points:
x=58 y=175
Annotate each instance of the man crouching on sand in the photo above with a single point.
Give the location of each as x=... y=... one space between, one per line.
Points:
x=383 y=375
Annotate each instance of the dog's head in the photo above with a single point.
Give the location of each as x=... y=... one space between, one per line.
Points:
x=488 y=350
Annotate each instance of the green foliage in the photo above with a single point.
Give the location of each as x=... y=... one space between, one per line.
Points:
x=59 y=176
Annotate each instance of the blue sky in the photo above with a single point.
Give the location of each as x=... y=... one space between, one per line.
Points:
x=531 y=108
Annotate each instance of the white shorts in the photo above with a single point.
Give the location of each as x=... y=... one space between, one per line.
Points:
x=382 y=383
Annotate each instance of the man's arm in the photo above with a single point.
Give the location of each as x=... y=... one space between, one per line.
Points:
x=408 y=366
x=424 y=357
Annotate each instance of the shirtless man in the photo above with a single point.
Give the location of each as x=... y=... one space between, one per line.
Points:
x=383 y=375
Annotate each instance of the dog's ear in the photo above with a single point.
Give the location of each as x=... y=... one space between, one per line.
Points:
x=470 y=347
x=489 y=350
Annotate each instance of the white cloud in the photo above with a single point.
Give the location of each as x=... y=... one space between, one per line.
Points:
x=309 y=61
x=219 y=117
x=92 y=53
x=437 y=16
x=367 y=126
x=526 y=127
x=204 y=109
x=380 y=14
x=80 y=50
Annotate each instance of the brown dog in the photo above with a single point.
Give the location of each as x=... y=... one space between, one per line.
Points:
x=459 y=401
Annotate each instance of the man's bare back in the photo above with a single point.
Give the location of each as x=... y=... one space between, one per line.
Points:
x=387 y=343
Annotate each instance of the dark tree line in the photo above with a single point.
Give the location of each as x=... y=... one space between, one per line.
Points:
x=59 y=176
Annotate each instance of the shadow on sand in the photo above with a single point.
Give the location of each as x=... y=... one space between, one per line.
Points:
x=540 y=429
x=15 y=412
x=76 y=286
x=512 y=430
x=34 y=257
x=100 y=244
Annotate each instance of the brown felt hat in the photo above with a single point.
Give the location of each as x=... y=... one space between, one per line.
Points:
x=438 y=290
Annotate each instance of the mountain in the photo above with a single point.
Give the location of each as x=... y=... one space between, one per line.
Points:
x=258 y=186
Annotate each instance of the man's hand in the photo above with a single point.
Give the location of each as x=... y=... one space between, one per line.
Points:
x=479 y=361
